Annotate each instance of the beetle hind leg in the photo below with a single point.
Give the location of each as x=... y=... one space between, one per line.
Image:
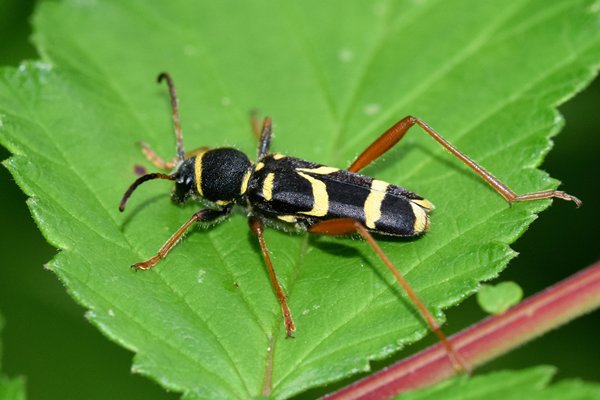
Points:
x=348 y=226
x=395 y=133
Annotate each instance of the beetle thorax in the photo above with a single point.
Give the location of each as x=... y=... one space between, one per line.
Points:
x=221 y=175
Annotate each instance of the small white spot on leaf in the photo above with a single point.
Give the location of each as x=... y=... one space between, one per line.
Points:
x=41 y=66
x=190 y=50
x=307 y=311
x=380 y=9
x=372 y=109
x=346 y=55
x=200 y=276
x=86 y=3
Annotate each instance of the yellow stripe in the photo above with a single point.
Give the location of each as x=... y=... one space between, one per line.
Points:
x=198 y=171
x=245 y=181
x=259 y=166
x=373 y=202
x=278 y=156
x=426 y=204
x=268 y=186
x=319 y=170
x=320 y=196
x=287 y=218
x=421 y=218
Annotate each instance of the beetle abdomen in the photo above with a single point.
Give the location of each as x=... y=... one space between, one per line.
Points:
x=301 y=192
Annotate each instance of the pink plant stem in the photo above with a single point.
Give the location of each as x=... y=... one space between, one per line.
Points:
x=486 y=340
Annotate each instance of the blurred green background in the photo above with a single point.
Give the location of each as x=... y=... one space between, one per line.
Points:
x=47 y=340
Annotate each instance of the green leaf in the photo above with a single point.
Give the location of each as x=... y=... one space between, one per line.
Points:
x=333 y=76
x=495 y=299
x=531 y=384
x=10 y=389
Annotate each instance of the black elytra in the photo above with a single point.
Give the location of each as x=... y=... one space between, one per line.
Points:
x=304 y=193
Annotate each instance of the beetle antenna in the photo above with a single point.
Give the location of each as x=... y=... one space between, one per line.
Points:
x=175 y=107
x=138 y=182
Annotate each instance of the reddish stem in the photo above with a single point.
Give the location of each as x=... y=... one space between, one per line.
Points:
x=486 y=340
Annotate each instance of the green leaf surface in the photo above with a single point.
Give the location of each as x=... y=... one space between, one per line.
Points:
x=495 y=299
x=531 y=384
x=334 y=75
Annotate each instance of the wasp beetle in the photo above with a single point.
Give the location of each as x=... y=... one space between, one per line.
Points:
x=285 y=191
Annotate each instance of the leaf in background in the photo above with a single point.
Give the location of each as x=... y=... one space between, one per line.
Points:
x=333 y=76
x=531 y=384
x=10 y=389
x=495 y=299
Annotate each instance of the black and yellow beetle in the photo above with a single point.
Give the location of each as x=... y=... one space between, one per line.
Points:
x=302 y=195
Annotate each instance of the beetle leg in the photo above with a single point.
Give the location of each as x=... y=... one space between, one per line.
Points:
x=347 y=226
x=257 y=227
x=265 y=139
x=255 y=123
x=156 y=159
x=167 y=165
x=205 y=215
x=397 y=132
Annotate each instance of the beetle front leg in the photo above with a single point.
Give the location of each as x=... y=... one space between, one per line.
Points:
x=264 y=143
x=156 y=159
x=205 y=215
